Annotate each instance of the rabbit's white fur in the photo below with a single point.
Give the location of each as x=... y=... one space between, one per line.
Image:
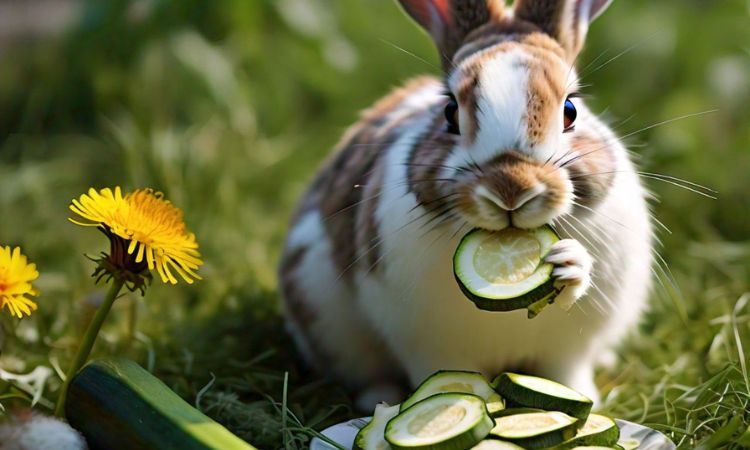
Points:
x=368 y=320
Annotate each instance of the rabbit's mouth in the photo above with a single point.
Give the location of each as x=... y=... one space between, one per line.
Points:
x=513 y=191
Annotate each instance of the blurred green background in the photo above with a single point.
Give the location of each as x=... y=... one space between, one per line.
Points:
x=229 y=106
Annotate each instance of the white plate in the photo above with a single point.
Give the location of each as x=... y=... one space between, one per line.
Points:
x=344 y=434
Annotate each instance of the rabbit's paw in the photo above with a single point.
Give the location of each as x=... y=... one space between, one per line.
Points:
x=572 y=271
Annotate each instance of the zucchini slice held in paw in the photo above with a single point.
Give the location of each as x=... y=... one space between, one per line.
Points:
x=371 y=436
x=505 y=271
x=455 y=381
x=535 y=392
x=535 y=430
x=440 y=422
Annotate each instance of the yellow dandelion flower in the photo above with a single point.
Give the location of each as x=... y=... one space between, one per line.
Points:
x=16 y=275
x=145 y=230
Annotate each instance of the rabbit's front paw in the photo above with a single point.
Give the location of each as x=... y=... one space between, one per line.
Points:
x=572 y=271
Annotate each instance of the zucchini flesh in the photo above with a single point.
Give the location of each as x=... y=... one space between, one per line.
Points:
x=453 y=381
x=535 y=392
x=595 y=447
x=440 y=422
x=535 y=430
x=494 y=444
x=117 y=404
x=629 y=444
x=504 y=270
x=371 y=436
x=598 y=430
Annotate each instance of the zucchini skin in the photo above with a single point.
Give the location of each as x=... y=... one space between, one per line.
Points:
x=605 y=438
x=546 y=290
x=517 y=395
x=411 y=400
x=462 y=441
x=544 y=441
x=116 y=404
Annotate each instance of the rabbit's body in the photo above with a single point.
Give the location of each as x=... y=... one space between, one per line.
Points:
x=367 y=274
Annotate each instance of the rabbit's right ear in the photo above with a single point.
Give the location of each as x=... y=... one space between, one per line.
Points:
x=565 y=20
x=450 y=21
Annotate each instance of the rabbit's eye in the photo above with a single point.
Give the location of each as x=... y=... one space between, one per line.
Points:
x=570 y=114
x=451 y=115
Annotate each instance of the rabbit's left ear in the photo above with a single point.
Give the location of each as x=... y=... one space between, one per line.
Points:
x=450 y=21
x=565 y=20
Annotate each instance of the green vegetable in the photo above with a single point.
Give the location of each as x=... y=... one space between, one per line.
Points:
x=598 y=430
x=117 y=404
x=493 y=444
x=535 y=392
x=371 y=436
x=441 y=422
x=535 y=430
x=596 y=447
x=504 y=271
x=455 y=381
x=629 y=444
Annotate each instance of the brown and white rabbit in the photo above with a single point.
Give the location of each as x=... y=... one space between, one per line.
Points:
x=502 y=140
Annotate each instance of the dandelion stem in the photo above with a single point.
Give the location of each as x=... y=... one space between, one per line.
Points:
x=87 y=343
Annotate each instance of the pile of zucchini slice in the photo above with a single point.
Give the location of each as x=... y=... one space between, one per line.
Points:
x=455 y=410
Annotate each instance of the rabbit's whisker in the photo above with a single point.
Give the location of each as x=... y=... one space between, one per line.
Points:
x=392 y=233
x=390 y=188
x=434 y=200
x=412 y=54
x=618 y=56
x=674 y=181
x=650 y=127
x=601 y=214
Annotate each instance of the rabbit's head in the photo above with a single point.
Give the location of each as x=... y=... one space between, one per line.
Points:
x=515 y=138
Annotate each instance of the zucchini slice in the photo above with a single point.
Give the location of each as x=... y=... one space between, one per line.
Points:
x=370 y=437
x=629 y=444
x=514 y=411
x=596 y=447
x=495 y=407
x=535 y=430
x=503 y=270
x=441 y=422
x=453 y=381
x=535 y=392
x=494 y=444
x=115 y=404
x=598 y=430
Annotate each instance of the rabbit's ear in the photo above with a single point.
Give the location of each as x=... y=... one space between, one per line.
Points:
x=450 y=21
x=565 y=20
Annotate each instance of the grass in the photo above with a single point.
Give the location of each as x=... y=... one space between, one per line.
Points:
x=228 y=106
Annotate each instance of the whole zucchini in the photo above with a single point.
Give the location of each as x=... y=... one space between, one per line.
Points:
x=116 y=404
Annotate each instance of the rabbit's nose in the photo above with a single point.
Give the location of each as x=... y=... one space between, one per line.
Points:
x=508 y=200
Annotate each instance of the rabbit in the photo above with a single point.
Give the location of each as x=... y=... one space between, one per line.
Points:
x=502 y=139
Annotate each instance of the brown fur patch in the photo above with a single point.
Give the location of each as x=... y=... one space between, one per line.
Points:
x=592 y=172
x=546 y=14
x=546 y=88
x=367 y=235
x=339 y=190
x=426 y=164
x=296 y=307
x=468 y=98
x=509 y=176
x=491 y=34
